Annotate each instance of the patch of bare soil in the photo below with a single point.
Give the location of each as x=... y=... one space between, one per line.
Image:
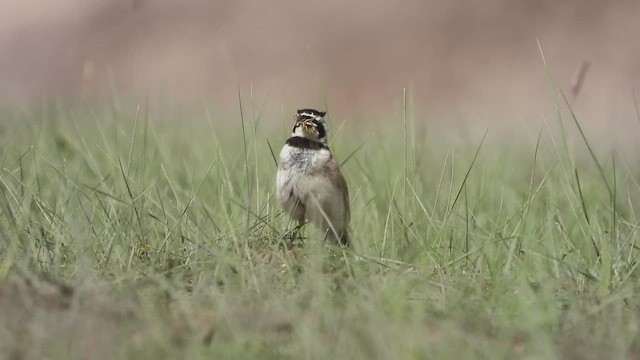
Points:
x=41 y=318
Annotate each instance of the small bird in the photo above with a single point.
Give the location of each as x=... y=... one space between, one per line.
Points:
x=309 y=183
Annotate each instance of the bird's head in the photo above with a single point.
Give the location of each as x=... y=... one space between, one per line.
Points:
x=311 y=124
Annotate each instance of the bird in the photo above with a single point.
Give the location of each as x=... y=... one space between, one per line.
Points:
x=309 y=184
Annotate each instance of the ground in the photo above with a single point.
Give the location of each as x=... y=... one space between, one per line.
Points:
x=139 y=231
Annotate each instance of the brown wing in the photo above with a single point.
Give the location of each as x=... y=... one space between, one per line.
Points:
x=334 y=174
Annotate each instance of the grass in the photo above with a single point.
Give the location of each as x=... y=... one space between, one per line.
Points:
x=148 y=231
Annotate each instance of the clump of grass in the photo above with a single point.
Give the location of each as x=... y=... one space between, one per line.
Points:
x=471 y=250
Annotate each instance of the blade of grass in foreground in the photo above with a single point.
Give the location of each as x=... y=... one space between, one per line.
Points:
x=586 y=142
x=466 y=175
x=246 y=156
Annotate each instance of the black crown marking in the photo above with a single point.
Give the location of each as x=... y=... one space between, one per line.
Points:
x=311 y=113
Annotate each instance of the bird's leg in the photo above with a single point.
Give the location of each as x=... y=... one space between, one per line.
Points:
x=294 y=236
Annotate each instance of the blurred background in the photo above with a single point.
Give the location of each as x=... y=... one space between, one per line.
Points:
x=464 y=59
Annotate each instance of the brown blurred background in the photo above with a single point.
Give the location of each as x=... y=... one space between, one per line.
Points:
x=471 y=59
